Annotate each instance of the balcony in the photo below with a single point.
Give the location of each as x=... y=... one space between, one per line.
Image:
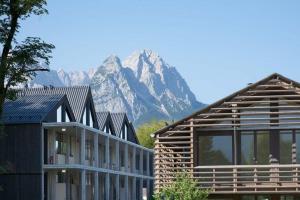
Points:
x=248 y=178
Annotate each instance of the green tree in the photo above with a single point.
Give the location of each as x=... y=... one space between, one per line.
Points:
x=144 y=132
x=183 y=188
x=20 y=60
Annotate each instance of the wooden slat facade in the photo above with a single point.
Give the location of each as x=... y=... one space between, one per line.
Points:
x=270 y=104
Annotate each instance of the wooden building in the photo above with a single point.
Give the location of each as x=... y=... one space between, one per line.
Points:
x=245 y=146
x=56 y=147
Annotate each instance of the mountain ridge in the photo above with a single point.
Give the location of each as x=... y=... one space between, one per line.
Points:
x=143 y=85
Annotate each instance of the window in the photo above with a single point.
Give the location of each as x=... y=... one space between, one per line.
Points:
x=298 y=146
x=108 y=130
x=88 y=150
x=91 y=120
x=60 y=144
x=84 y=118
x=71 y=145
x=286 y=197
x=215 y=150
x=247 y=197
x=263 y=147
x=67 y=116
x=88 y=179
x=59 y=114
x=60 y=177
x=285 y=146
x=247 y=148
x=255 y=147
x=126 y=132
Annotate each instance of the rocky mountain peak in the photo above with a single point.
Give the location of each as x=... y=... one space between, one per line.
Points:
x=144 y=62
x=143 y=85
x=111 y=64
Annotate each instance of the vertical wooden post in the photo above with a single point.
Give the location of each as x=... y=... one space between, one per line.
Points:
x=192 y=148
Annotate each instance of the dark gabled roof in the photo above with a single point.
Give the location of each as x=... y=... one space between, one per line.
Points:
x=206 y=109
x=76 y=95
x=30 y=109
x=102 y=119
x=134 y=133
x=118 y=121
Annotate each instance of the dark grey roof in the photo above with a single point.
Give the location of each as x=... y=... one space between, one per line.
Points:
x=118 y=120
x=76 y=96
x=30 y=109
x=102 y=118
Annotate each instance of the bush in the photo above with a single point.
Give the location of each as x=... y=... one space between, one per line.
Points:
x=144 y=132
x=183 y=188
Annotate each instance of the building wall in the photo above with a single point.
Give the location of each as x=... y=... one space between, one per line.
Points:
x=21 y=151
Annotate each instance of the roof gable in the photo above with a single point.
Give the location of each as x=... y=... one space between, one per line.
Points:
x=254 y=93
x=76 y=95
x=118 y=120
x=134 y=136
x=102 y=118
x=31 y=109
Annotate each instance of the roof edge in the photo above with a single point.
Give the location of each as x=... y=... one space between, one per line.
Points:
x=274 y=75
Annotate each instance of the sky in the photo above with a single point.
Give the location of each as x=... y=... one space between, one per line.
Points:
x=217 y=46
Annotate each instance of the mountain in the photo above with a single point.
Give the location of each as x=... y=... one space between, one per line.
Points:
x=115 y=88
x=164 y=82
x=143 y=85
x=74 y=77
x=46 y=78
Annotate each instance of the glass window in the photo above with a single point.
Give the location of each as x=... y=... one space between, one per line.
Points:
x=298 y=146
x=215 y=150
x=286 y=197
x=88 y=179
x=88 y=150
x=71 y=145
x=60 y=177
x=125 y=133
x=263 y=147
x=285 y=146
x=247 y=148
x=84 y=117
x=263 y=197
x=60 y=144
x=58 y=114
x=91 y=120
x=248 y=197
x=67 y=117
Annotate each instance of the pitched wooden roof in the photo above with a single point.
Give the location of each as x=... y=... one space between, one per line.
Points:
x=238 y=98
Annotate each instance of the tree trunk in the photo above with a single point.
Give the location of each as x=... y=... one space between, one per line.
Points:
x=3 y=61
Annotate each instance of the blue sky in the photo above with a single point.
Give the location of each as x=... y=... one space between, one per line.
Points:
x=218 y=46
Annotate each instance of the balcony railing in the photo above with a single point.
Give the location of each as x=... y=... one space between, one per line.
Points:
x=248 y=178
